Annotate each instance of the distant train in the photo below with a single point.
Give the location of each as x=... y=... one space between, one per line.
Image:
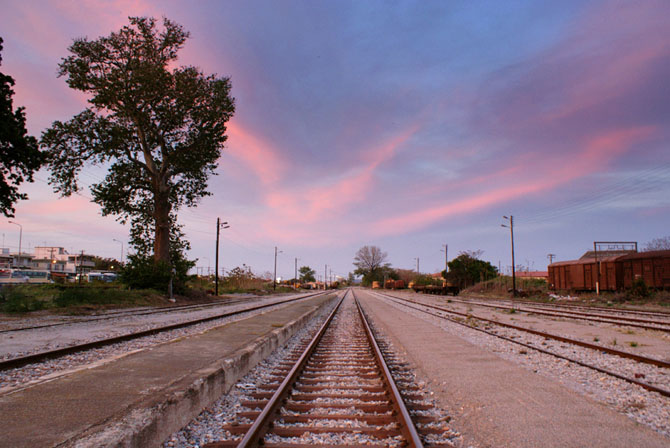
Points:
x=613 y=273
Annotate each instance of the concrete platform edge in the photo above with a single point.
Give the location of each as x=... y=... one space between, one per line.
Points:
x=150 y=422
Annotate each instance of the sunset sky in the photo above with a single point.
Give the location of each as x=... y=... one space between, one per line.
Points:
x=407 y=125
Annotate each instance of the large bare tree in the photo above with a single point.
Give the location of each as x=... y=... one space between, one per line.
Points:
x=370 y=262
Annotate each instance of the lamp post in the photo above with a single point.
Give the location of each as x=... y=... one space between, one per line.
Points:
x=121 y=243
x=295 y=275
x=20 y=236
x=511 y=231
x=274 y=278
x=219 y=225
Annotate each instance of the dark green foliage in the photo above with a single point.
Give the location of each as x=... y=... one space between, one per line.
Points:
x=143 y=272
x=467 y=269
x=15 y=299
x=158 y=127
x=106 y=264
x=307 y=274
x=19 y=153
x=88 y=295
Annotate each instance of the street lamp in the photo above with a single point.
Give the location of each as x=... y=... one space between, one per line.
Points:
x=121 y=243
x=274 y=279
x=20 y=236
x=219 y=225
x=295 y=276
x=511 y=230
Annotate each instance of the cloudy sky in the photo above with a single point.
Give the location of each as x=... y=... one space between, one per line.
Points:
x=407 y=125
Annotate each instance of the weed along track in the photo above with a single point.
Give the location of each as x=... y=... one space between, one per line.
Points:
x=335 y=390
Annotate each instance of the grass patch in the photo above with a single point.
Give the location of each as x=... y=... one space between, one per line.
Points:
x=73 y=298
x=633 y=344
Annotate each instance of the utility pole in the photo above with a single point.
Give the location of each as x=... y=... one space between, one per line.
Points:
x=20 y=237
x=446 y=257
x=511 y=230
x=274 y=279
x=417 y=265
x=551 y=258
x=325 y=277
x=219 y=225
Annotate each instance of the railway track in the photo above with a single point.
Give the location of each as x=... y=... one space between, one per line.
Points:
x=462 y=319
x=334 y=390
x=132 y=313
x=660 y=314
x=21 y=361
x=646 y=324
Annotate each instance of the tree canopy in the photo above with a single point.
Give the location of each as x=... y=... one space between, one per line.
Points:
x=307 y=274
x=467 y=269
x=20 y=156
x=158 y=127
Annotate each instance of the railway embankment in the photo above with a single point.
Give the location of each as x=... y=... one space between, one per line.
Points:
x=140 y=398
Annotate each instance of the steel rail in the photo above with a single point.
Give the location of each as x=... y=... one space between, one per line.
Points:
x=647 y=386
x=20 y=361
x=259 y=427
x=407 y=427
x=612 y=351
x=622 y=320
x=662 y=314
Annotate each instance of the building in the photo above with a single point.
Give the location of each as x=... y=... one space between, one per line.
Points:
x=49 y=258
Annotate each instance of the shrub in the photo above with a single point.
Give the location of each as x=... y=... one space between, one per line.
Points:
x=144 y=273
x=639 y=289
x=74 y=295
x=14 y=299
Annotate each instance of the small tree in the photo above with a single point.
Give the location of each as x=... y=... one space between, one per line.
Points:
x=467 y=269
x=19 y=154
x=307 y=274
x=160 y=128
x=662 y=243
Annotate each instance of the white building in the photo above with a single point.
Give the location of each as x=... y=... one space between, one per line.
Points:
x=57 y=259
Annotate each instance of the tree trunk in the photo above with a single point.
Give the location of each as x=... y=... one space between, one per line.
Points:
x=162 y=236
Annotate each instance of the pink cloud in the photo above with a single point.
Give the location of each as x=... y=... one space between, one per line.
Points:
x=307 y=204
x=261 y=157
x=543 y=175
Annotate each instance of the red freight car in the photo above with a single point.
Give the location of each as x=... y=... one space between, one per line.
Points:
x=652 y=267
x=616 y=272
x=582 y=275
